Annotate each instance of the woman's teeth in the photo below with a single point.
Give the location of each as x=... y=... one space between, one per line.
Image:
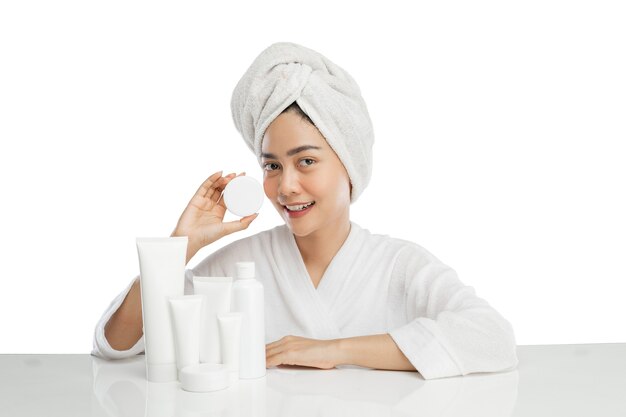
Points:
x=300 y=207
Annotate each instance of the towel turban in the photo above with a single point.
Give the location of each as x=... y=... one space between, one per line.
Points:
x=286 y=72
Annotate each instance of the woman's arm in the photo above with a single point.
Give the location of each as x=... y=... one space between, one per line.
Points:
x=376 y=351
x=203 y=223
x=125 y=327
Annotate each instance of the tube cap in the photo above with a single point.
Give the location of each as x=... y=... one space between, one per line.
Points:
x=205 y=377
x=244 y=270
x=243 y=196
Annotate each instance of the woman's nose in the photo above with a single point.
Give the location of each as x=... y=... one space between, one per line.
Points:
x=289 y=183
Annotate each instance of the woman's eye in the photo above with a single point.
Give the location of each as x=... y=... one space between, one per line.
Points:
x=306 y=162
x=270 y=166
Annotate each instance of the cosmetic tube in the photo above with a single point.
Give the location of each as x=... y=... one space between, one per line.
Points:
x=186 y=313
x=217 y=301
x=162 y=275
x=230 y=339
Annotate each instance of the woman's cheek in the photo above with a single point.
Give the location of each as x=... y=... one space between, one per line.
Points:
x=269 y=188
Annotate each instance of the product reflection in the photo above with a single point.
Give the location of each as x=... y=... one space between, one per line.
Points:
x=121 y=389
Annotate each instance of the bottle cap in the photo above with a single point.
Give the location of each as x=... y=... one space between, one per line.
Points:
x=245 y=270
x=243 y=196
x=205 y=377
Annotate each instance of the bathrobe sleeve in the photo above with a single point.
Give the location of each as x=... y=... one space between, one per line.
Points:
x=101 y=347
x=450 y=331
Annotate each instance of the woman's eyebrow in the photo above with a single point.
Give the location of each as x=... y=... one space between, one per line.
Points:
x=292 y=151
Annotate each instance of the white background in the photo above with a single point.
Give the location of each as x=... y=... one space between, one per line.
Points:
x=500 y=131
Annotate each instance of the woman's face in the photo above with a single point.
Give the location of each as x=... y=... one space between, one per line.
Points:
x=300 y=168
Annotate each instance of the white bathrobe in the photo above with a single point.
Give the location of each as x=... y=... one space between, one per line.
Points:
x=375 y=284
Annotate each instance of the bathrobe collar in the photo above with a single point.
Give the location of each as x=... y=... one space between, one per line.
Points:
x=321 y=301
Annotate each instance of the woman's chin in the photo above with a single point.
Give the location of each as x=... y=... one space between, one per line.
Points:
x=298 y=230
x=298 y=227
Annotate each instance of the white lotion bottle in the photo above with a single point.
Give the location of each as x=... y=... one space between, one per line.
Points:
x=248 y=298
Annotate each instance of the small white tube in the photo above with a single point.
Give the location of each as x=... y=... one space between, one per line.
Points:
x=186 y=313
x=230 y=339
x=162 y=275
x=217 y=301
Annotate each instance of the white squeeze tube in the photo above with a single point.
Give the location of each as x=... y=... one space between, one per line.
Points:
x=186 y=313
x=216 y=291
x=162 y=275
x=230 y=340
x=248 y=299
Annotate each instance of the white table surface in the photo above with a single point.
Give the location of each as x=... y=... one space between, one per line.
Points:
x=551 y=380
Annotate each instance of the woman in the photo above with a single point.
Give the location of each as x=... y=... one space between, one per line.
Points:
x=335 y=293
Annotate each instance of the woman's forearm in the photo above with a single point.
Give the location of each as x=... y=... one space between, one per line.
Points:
x=376 y=351
x=125 y=327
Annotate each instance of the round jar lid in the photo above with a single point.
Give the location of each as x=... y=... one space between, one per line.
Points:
x=205 y=377
x=243 y=196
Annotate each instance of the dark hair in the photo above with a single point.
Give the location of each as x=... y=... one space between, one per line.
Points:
x=294 y=108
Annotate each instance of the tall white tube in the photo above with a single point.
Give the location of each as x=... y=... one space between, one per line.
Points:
x=217 y=301
x=162 y=275
x=186 y=313
x=248 y=299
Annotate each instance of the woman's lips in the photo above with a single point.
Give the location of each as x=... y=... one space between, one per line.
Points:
x=295 y=214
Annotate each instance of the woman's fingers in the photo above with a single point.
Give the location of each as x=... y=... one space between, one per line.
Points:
x=279 y=342
x=295 y=350
x=219 y=198
x=237 y=225
x=210 y=191
x=274 y=347
x=207 y=185
x=279 y=353
x=277 y=356
x=218 y=188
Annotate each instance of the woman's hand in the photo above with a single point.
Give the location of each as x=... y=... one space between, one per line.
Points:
x=378 y=351
x=203 y=218
x=295 y=350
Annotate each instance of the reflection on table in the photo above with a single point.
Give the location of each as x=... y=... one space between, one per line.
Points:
x=121 y=389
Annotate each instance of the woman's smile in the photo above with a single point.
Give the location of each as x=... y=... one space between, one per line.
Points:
x=298 y=210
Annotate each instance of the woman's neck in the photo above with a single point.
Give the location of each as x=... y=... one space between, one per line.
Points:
x=321 y=246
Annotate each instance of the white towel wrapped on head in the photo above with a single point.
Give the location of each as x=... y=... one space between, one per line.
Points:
x=286 y=72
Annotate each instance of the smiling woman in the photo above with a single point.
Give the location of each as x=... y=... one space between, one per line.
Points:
x=307 y=184
x=335 y=293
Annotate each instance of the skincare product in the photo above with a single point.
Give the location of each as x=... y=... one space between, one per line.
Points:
x=248 y=299
x=186 y=313
x=230 y=339
x=162 y=275
x=243 y=196
x=216 y=291
x=205 y=377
